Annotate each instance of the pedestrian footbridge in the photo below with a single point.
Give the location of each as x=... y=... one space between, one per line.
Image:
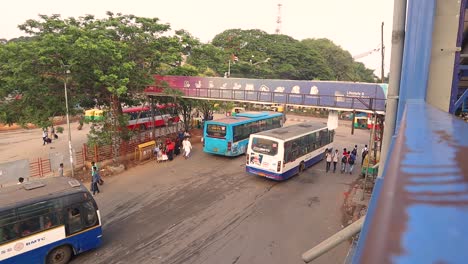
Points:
x=323 y=94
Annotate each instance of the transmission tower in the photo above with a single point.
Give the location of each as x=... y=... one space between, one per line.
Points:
x=278 y=20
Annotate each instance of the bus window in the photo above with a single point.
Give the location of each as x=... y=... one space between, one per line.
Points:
x=269 y=123
x=324 y=137
x=7 y=216
x=241 y=132
x=277 y=122
x=216 y=131
x=36 y=209
x=265 y=146
x=74 y=219
x=29 y=226
x=238 y=133
x=9 y=232
x=90 y=216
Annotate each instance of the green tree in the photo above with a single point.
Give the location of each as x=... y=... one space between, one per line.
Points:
x=263 y=55
x=208 y=57
x=110 y=59
x=340 y=61
x=206 y=107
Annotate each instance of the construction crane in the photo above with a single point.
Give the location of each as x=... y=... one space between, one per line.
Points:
x=362 y=55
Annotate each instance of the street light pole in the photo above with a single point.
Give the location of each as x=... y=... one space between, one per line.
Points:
x=68 y=124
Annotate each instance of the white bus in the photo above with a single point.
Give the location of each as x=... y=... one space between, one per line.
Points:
x=283 y=152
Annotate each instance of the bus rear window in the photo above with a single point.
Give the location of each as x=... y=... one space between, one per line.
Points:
x=216 y=131
x=265 y=146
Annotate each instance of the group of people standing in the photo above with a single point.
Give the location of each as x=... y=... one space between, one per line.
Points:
x=173 y=147
x=347 y=158
x=46 y=137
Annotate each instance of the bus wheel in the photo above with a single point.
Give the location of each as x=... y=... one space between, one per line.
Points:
x=59 y=255
x=301 y=168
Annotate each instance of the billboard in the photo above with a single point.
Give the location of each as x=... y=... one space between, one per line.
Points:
x=313 y=93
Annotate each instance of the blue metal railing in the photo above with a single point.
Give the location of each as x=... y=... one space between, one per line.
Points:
x=419 y=210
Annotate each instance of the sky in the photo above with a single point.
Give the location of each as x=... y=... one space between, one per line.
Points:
x=355 y=25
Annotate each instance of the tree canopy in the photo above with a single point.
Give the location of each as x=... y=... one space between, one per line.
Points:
x=109 y=61
x=257 y=54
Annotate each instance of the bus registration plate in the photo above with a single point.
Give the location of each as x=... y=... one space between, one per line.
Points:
x=215 y=149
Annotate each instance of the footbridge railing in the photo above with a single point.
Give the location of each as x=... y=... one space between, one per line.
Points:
x=335 y=95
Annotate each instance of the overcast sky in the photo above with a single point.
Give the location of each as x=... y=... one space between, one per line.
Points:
x=352 y=24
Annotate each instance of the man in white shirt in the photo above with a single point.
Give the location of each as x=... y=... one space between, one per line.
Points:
x=60 y=170
x=44 y=136
x=187 y=146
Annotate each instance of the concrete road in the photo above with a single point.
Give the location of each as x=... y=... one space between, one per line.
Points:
x=27 y=143
x=208 y=210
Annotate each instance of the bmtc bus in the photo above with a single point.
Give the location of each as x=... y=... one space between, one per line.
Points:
x=283 y=152
x=229 y=136
x=47 y=221
x=140 y=117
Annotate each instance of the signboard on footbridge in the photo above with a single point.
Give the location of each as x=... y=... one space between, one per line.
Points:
x=323 y=94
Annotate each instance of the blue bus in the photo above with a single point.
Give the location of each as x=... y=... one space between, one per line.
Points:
x=229 y=136
x=47 y=221
x=281 y=153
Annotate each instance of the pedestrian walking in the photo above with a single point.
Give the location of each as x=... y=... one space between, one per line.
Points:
x=177 y=147
x=180 y=135
x=364 y=153
x=52 y=133
x=335 y=159
x=344 y=160
x=187 y=146
x=354 y=151
x=328 y=158
x=44 y=137
x=95 y=180
x=170 y=149
x=351 y=160
x=60 y=170
x=94 y=164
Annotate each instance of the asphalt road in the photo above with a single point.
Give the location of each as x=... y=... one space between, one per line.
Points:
x=208 y=210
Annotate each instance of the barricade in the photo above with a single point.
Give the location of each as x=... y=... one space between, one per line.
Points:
x=144 y=151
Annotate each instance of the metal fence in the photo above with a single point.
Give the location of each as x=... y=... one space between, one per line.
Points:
x=48 y=166
x=99 y=153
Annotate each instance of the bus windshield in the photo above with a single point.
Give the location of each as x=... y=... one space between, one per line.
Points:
x=216 y=131
x=264 y=146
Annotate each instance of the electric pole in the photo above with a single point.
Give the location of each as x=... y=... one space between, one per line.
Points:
x=382 y=49
x=278 y=20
